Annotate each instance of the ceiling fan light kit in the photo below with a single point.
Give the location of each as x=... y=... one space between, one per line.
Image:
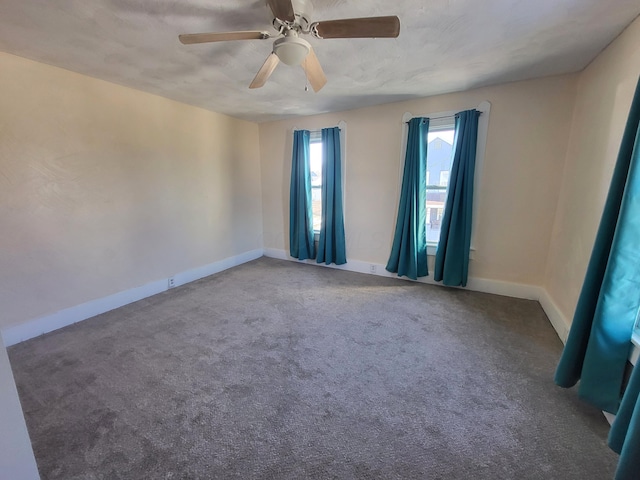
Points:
x=291 y=49
x=290 y=19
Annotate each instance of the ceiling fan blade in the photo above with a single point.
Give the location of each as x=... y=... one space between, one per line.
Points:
x=282 y=9
x=191 y=38
x=265 y=71
x=314 y=71
x=371 y=27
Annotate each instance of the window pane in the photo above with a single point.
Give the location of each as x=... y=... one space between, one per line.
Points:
x=315 y=150
x=315 y=160
x=439 y=158
x=316 y=207
x=447 y=135
x=435 y=209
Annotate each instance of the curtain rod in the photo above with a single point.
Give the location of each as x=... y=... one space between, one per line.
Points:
x=341 y=125
x=446 y=116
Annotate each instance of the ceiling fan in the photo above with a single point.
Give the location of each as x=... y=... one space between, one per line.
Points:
x=291 y=18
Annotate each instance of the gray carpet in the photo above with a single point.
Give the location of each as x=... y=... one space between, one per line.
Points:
x=277 y=370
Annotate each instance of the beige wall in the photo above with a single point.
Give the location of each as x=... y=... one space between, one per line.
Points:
x=103 y=188
x=526 y=145
x=605 y=91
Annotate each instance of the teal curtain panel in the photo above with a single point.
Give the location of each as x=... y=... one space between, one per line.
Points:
x=331 y=245
x=301 y=244
x=409 y=250
x=599 y=341
x=452 y=255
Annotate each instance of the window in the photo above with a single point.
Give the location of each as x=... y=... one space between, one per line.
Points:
x=315 y=160
x=440 y=140
x=439 y=159
x=315 y=164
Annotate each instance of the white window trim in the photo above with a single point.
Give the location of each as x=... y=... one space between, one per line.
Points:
x=444 y=118
x=315 y=137
x=342 y=125
x=635 y=349
x=635 y=341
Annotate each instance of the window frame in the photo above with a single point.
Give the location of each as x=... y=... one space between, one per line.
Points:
x=436 y=120
x=441 y=124
x=315 y=137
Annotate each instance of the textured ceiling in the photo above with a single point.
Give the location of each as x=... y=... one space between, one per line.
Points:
x=444 y=46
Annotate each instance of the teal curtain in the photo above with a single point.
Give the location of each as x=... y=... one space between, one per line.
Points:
x=599 y=341
x=331 y=245
x=301 y=244
x=409 y=251
x=452 y=255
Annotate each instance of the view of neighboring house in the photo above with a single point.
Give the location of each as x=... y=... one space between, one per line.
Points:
x=439 y=157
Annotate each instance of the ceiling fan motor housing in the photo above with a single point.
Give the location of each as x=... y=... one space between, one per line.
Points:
x=303 y=10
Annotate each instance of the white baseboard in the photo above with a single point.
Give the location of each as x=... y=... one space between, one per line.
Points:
x=24 y=331
x=497 y=287
x=516 y=290
x=556 y=317
x=610 y=417
x=17 y=333
x=507 y=289
x=357 y=266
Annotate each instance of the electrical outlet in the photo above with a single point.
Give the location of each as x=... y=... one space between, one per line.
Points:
x=372 y=268
x=172 y=282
